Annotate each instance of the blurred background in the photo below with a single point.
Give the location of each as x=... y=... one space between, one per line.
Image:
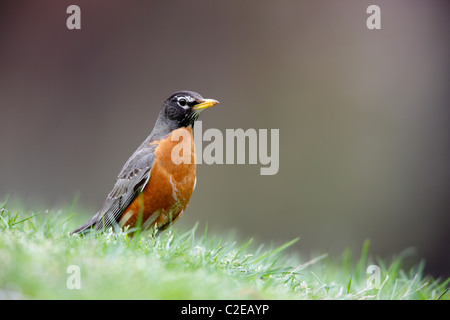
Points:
x=363 y=114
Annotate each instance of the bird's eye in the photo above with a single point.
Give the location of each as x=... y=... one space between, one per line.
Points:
x=182 y=102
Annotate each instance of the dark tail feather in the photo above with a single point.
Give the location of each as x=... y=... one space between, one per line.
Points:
x=88 y=226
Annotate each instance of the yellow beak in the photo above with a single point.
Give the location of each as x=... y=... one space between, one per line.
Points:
x=206 y=103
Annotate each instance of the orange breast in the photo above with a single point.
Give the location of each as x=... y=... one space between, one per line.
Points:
x=169 y=189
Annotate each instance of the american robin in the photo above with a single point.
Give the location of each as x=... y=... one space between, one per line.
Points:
x=153 y=190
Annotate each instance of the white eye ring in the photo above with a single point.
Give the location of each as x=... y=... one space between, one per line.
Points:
x=183 y=102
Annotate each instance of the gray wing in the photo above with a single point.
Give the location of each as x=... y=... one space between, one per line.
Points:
x=132 y=179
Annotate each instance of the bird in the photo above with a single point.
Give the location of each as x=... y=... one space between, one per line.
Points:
x=152 y=190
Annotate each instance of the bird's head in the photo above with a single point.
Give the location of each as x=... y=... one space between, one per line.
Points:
x=183 y=108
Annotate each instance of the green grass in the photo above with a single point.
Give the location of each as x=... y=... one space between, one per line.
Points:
x=36 y=252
